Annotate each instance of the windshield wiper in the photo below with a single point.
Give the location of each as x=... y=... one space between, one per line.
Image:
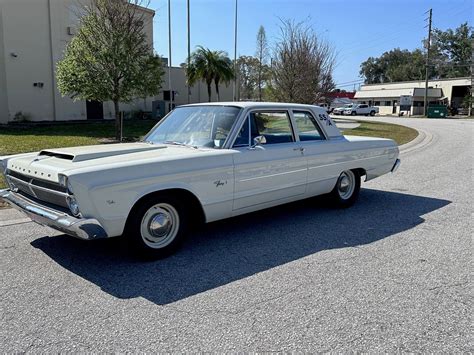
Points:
x=180 y=144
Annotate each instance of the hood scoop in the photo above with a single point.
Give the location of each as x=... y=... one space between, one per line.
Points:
x=55 y=155
x=78 y=154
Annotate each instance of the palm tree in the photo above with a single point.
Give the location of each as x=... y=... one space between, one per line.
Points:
x=209 y=66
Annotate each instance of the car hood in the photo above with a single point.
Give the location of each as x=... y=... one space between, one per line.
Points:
x=78 y=154
x=47 y=164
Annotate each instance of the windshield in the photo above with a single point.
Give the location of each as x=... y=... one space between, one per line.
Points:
x=199 y=126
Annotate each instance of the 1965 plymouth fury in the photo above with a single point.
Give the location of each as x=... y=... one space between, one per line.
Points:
x=201 y=162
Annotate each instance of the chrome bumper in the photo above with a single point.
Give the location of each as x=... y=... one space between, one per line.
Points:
x=82 y=228
x=396 y=165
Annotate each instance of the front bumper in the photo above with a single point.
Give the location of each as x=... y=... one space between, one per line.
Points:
x=396 y=165
x=82 y=228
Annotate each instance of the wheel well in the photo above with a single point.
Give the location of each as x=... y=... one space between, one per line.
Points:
x=191 y=200
x=360 y=171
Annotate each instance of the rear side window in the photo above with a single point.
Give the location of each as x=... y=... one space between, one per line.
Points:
x=307 y=126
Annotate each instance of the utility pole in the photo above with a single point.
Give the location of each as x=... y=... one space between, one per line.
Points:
x=234 y=88
x=189 y=48
x=472 y=80
x=169 y=54
x=428 y=44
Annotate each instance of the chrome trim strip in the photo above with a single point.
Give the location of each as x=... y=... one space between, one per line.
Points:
x=82 y=228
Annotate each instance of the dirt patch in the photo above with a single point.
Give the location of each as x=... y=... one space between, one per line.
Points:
x=4 y=205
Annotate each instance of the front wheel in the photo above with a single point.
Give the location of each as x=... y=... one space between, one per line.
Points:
x=372 y=113
x=347 y=189
x=353 y=113
x=156 y=227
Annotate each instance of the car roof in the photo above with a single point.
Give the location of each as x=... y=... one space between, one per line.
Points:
x=253 y=104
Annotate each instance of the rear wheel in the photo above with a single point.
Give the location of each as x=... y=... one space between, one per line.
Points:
x=347 y=189
x=156 y=227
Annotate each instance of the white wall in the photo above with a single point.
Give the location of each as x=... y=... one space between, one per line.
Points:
x=26 y=33
x=37 y=32
x=3 y=79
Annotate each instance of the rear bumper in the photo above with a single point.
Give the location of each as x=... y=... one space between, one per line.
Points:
x=82 y=228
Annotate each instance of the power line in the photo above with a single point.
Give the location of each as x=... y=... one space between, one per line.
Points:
x=350 y=82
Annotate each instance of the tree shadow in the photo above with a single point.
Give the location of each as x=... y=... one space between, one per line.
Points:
x=226 y=251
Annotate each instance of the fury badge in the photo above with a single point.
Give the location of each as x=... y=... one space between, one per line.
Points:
x=220 y=183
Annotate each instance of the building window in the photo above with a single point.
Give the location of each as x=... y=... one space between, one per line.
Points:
x=376 y=103
x=167 y=96
x=387 y=103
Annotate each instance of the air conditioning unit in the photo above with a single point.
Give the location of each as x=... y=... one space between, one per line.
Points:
x=71 y=30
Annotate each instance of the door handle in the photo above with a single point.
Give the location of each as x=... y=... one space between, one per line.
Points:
x=301 y=149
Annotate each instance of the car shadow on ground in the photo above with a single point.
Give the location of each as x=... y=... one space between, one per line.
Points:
x=226 y=251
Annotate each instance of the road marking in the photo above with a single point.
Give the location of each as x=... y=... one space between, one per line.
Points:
x=14 y=221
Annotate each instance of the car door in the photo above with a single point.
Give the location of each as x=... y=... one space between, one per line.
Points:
x=273 y=171
x=363 y=109
x=322 y=155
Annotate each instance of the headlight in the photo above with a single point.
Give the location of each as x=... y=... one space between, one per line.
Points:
x=73 y=206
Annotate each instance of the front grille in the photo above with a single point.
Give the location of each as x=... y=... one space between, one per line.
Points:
x=42 y=190
x=37 y=182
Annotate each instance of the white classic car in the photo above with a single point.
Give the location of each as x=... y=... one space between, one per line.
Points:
x=202 y=162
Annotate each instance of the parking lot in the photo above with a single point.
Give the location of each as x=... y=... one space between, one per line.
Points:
x=393 y=273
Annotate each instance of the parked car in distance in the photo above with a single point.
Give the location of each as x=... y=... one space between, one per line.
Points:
x=361 y=109
x=201 y=163
x=340 y=110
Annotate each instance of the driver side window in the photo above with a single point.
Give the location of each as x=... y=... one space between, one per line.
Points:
x=274 y=126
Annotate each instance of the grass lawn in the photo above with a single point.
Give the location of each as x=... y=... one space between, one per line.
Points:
x=14 y=140
x=399 y=134
x=23 y=139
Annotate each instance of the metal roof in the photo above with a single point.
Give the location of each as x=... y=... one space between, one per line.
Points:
x=369 y=94
x=382 y=93
x=254 y=104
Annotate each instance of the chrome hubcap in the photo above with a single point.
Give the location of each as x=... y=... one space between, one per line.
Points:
x=160 y=225
x=346 y=184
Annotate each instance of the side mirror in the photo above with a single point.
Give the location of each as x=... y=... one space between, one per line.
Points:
x=259 y=140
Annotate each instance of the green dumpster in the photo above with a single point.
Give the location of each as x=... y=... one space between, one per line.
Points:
x=437 y=111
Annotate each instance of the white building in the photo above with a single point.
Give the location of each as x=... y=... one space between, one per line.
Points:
x=387 y=96
x=33 y=36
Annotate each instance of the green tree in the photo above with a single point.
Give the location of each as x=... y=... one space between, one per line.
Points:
x=395 y=65
x=452 y=51
x=110 y=59
x=262 y=56
x=247 y=68
x=450 y=57
x=209 y=66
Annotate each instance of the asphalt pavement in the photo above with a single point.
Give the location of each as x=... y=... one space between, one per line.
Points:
x=391 y=274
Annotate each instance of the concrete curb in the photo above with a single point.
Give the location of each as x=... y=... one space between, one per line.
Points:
x=423 y=138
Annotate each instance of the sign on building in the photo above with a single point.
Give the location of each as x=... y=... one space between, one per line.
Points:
x=405 y=102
